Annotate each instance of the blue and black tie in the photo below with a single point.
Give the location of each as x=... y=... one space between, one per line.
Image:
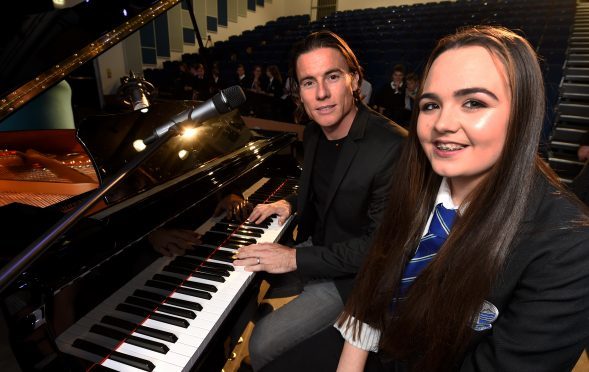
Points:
x=429 y=245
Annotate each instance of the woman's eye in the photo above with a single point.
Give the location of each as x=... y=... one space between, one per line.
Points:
x=428 y=106
x=473 y=104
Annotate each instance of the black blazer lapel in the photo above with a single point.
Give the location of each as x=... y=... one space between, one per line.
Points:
x=348 y=152
x=305 y=180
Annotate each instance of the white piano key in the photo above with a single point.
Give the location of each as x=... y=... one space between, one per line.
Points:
x=118 y=366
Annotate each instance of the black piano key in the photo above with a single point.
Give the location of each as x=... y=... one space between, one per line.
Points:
x=197 y=261
x=211 y=277
x=233 y=245
x=201 y=268
x=217 y=238
x=171 y=287
x=187 y=283
x=155 y=316
x=158 y=347
x=219 y=255
x=226 y=229
x=133 y=361
x=209 y=270
x=160 y=307
x=196 y=274
x=245 y=225
x=172 y=301
x=184 y=303
x=263 y=224
x=224 y=226
x=177 y=270
x=102 y=351
x=194 y=293
x=91 y=347
x=130 y=326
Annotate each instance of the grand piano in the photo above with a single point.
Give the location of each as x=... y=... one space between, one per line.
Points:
x=81 y=287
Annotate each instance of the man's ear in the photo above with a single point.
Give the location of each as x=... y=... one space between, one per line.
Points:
x=355 y=79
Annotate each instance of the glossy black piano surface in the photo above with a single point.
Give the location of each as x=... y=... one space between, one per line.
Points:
x=50 y=166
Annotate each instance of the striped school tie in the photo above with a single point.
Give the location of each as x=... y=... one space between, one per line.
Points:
x=429 y=245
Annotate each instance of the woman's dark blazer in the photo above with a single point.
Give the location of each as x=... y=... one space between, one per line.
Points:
x=542 y=294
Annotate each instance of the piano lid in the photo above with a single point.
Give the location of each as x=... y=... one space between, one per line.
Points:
x=40 y=44
x=45 y=45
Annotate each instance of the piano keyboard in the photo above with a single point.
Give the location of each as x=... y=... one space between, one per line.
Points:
x=164 y=317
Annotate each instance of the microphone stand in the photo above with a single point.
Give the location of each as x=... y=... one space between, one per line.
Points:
x=28 y=255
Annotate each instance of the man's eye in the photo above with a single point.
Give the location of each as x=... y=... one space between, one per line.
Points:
x=333 y=77
x=307 y=84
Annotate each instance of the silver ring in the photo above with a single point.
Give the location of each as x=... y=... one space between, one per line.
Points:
x=258 y=260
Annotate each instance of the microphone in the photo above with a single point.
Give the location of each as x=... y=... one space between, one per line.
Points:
x=221 y=103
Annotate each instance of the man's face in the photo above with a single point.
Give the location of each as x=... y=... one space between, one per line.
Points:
x=327 y=89
x=398 y=77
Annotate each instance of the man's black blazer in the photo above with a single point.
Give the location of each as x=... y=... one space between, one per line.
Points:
x=356 y=197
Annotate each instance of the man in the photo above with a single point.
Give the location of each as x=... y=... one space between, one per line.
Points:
x=390 y=99
x=349 y=152
x=242 y=80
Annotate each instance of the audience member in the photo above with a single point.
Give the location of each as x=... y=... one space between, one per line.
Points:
x=288 y=105
x=200 y=83
x=390 y=99
x=411 y=88
x=216 y=82
x=366 y=91
x=241 y=78
x=257 y=82
x=274 y=88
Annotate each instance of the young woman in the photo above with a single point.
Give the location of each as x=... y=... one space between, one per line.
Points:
x=508 y=290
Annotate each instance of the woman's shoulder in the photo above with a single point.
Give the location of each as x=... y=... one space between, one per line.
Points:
x=555 y=219
x=553 y=203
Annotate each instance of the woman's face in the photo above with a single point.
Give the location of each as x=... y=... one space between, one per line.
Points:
x=464 y=114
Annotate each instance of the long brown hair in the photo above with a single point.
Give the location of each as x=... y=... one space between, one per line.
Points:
x=316 y=40
x=432 y=327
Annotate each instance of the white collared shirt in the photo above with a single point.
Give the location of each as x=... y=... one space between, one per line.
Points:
x=369 y=337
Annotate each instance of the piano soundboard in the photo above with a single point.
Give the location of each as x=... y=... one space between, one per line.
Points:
x=163 y=318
